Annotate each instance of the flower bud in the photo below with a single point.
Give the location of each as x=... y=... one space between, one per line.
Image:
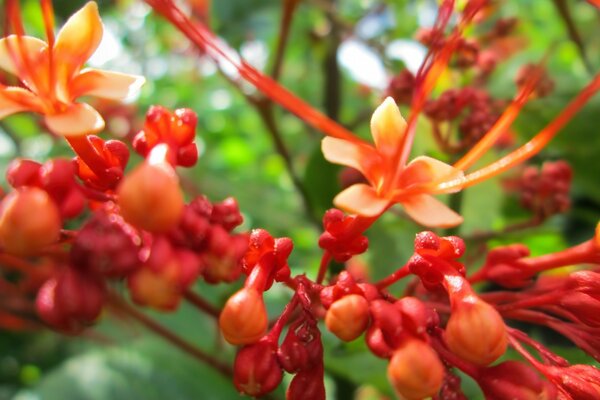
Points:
x=244 y=317
x=154 y=289
x=29 y=220
x=307 y=384
x=150 y=197
x=256 y=370
x=476 y=332
x=348 y=317
x=71 y=301
x=514 y=380
x=415 y=370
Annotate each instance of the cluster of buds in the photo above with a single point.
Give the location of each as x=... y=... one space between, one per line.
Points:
x=545 y=191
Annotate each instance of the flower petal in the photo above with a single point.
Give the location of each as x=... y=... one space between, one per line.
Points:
x=423 y=170
x=359 y=156
x=10 y=52
x=79 y=119
x=105 y=84
x=361 y=199
x=429 y=211
x=14 y=100
x=387 y=127
x=75 y=43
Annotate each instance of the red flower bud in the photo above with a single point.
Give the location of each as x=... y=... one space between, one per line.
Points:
x=21 y=172
x=348 y=317
x=581 y=382
x=29 y=220
x=256 y=370
x=514 y=380
x=150 y=197
x=244 y=317
x=415 y=370
x=476 y=332
x=307 y=384
x=71 y=301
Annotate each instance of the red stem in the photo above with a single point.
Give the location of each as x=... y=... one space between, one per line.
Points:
x=323 y=267
x=393 y=278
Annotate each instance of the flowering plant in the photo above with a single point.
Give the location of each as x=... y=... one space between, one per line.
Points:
x=360 y=281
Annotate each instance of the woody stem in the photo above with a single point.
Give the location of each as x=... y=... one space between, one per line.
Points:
x=172 y=338
x=200 y=303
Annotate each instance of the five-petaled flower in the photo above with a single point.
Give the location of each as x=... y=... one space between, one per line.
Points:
x=389 y=181
x=52 y=75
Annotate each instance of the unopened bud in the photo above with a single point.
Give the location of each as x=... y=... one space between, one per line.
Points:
x=476 y=332
x=150 y=197
x=514 y=380
x=348 y=317
x=256 y=370
x=415 y=370
x=29 y=220
x=244 y=317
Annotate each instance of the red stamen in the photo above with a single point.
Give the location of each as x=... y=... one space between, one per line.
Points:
x=13 y=15
x=503 y=123
x=48 y=15
x=205 y=39
x=530 y=148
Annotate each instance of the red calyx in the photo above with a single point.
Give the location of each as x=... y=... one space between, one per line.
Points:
x=339 y=238
x=113 y=155
x=71 y=301
x=256 y=370
x=270 y=255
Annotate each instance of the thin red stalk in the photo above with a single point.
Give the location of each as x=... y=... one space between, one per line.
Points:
x=283 y=318
x=172 y=338
x=530 y=302
x=586 y=252
x=200 y=303
x=205 y=39
x=452 y=359
x=323 y=266
x=393 y=278
x=530 y=148
x=16 y=263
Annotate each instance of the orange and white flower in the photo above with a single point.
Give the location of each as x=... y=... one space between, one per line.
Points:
x=53 y=79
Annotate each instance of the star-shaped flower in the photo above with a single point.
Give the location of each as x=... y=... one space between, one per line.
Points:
x=53 y=79
x=390 y=183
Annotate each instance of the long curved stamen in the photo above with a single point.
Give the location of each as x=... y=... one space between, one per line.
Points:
x=430 y=72
x=205 y=39
x=502 y=124
x=48 y=15
x=530 y=148
x=19 y=55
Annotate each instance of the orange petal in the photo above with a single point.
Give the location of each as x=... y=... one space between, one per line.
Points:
x=387 y=127
x=14 y=100
x=361 y=199
x=429 y=211
x=425 y=169
x=11 y=56
x=105 y=84
x=79 y=119
x=359 y=156
x=75 y=43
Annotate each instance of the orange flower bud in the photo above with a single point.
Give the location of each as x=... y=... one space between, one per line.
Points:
x=348 y=317
x=476 y=332
x=150 y=197
x=415 y=370
x=29 y=220
x=154 y=289
x=244 y=317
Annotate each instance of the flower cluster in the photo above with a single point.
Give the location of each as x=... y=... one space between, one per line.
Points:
x=82 y=232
